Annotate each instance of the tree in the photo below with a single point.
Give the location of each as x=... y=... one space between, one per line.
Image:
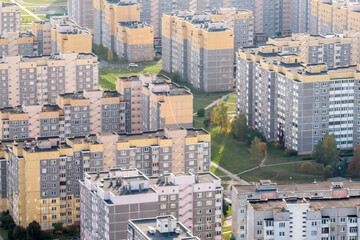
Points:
x=326 y=151
x=73 y=230
x=207 y=122
x=58 y=226
x=7 y=221
x=225 y=208
x=201 y=112
x=255 y=149
x=110 y=55
x=221 y=116
x=354 y=165
x=328 y=171
x=306 y=167
x=176 y=77
x=19 y=233
x=263 y=146
x=252 y=133
x=239 y=127
x=34 y=230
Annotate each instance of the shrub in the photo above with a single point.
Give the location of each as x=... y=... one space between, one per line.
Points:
x=207 y=122
x=278 y=145
x=290 y=152
x=201 y=112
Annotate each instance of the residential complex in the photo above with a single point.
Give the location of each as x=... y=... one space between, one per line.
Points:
x=81 y=12
x=191 y=47
x=158 y=228
x=16 y=43
x=154 y=102
x=10 y=18
x=134 y=41
x=323 y=210
x=295 y=98
x=333 y=17
x=109 y=199
x=38 y=80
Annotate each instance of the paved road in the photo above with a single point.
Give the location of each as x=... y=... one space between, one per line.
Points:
x=229 y=174
x=103 y=63
x=30 y=13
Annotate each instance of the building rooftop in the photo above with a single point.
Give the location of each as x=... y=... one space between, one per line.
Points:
x=135 y=24
x=294 y=188
x=143 y=226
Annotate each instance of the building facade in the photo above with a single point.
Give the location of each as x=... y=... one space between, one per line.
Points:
x=134 y=41
x=322 y=210
x=119 y=195
x=191 y=47
x=154 y=102
x=39 y=79
x=81 y=12
x=10 y=20
x=305 y=97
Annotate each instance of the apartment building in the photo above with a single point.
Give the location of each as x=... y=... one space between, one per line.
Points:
x=319 y=210
x=154 y=102
x=18 y=44
x=158 y=228
x=109 y=199
x=42 y=31
x=134 y=41
x=199 y=49
x=76 y=114
x=81 y=12
x=67 y=36
x=333 y=17
x=10 y=20
x=39 y=79
x=297 y=103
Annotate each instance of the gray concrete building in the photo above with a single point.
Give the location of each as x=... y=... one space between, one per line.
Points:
x=81 y=12
x=297 y=109
x=323 y=210
x=10 y=17
x=120 y=195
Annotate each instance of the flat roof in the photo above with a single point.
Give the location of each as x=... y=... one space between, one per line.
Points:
x=143 y=224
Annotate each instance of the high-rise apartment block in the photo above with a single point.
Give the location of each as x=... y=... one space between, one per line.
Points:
x=118 y=27
x=333 y=17
x=10 y=18
x=160 y=227
x=109 y=199
x=16 y=43
x=296 y=98
x=81 y=12
x=199 y=49
x=154 y=102
x=134 y=41
x=38 y=80
x=322 y=210
x=41 y=175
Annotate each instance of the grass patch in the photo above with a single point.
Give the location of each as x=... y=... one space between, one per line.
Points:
x=229 y=154
x=27 y=19
x=4 y=233
x=227 y=229
x=278 y=156
x=226 y=236
x=280 y=174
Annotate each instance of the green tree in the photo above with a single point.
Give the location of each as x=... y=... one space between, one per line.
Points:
x=255 y=149
x=73 y=230
x=58 y=226
x=225 y=208
x=34 y=230
x=252 y=133
x=239 y=127
x=201 y=112
x=328 y=171
x=7 y=221
x=221 y=117
x=207 y=122
x=175 y=77
x=19 y=233
x=326 y=151
x=354 y=165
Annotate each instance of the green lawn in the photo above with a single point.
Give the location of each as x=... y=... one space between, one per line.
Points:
x=280 y=174
x=27 y=19
x=278 y=156
x=229 y=154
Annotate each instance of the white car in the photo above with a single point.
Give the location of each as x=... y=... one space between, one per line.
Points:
x=133 y=65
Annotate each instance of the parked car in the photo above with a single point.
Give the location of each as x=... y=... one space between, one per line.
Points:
x=133 y=65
